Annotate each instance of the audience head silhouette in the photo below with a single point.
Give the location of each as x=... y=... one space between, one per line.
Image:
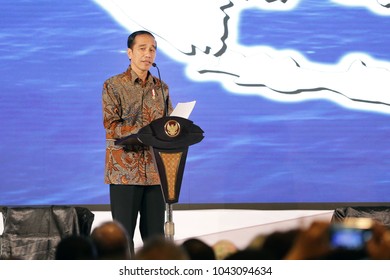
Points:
x=198 y=250
x=111 y=241
x=76 y=247
x=224 y=248
x=277 y=244
x=158 y=248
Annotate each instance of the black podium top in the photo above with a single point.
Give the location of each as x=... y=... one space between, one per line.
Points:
x=165 y=133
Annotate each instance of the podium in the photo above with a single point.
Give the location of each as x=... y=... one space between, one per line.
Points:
x=169 y=138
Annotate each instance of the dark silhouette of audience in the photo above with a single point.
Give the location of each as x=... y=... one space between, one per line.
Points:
x=277 y=244
x=274 y=246
x=198 y=250
x=76 y=247
x=314 y=243
x=111 y=241
x=248 y=254
x=159 y=248
x=224 y=248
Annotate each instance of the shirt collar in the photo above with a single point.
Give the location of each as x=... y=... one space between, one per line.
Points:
x=135 y=79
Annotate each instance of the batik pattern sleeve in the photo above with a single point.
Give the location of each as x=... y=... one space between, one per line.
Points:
x=115 y=125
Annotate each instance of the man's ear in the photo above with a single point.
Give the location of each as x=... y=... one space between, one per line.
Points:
x=129 y=53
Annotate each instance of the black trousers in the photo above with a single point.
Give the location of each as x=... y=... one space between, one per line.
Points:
x=129 y=200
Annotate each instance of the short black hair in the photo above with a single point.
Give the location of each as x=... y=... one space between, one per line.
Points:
x=131 y=39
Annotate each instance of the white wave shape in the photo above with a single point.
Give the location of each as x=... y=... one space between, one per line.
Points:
x=380 y=7
x=203 y=35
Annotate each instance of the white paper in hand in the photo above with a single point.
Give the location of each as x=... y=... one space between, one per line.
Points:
x=183 y=109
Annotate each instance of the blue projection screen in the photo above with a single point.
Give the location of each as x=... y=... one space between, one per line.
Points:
x=293 y=97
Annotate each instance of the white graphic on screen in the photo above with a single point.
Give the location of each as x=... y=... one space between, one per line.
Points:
x=203 y=35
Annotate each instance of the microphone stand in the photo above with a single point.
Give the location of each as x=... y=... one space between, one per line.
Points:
x=169 y=226
x=162 y=90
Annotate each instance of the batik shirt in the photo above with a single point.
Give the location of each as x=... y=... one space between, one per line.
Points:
x=128 y=105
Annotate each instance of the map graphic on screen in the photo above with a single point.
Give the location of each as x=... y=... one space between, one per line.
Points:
x=293 y=97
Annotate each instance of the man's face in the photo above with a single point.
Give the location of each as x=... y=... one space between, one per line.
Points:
x=143 y=53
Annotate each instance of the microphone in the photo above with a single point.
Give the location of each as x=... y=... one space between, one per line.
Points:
x=162 y=90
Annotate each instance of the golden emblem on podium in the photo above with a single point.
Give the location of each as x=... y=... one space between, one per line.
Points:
x=172 y=128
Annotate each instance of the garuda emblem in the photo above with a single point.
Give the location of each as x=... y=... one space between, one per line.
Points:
x=172 y=128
